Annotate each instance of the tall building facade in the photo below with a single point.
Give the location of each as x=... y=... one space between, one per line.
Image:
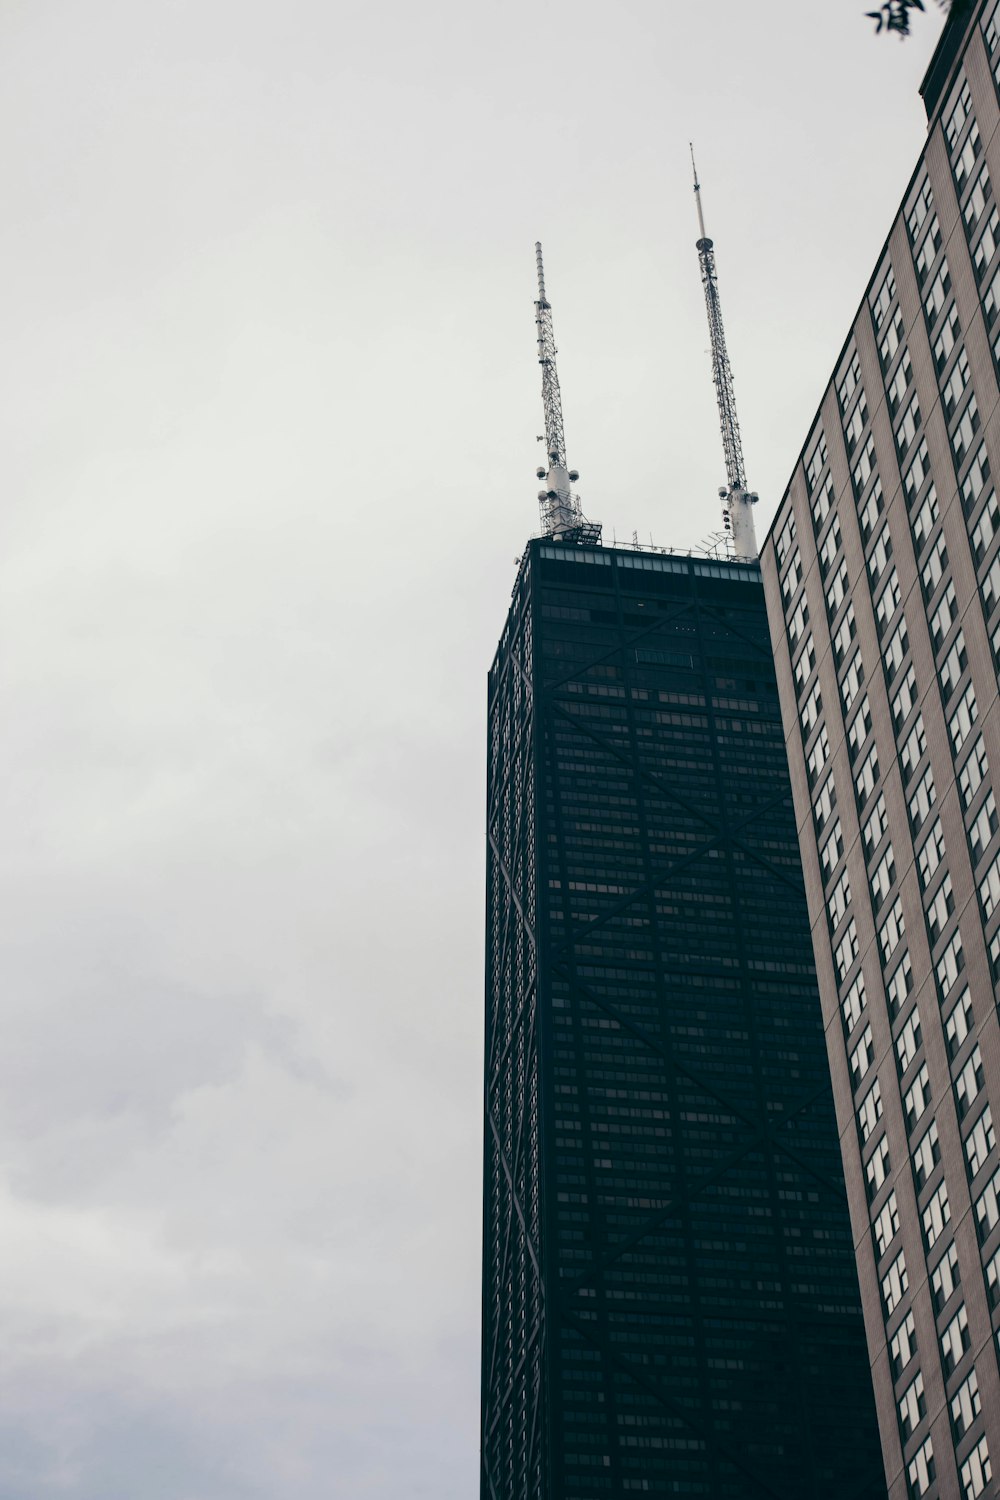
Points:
x=882 y=576
x=670 y=1300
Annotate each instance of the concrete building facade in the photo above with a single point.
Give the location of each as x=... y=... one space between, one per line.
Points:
x=882 y=577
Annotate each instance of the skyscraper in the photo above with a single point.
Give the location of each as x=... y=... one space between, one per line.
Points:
x=670 y=1301
x=882 y=575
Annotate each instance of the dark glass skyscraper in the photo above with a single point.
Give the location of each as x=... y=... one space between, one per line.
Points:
x=670 y=1300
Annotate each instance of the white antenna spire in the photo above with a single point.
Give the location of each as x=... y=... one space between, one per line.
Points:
x=738 y=500
x=560 y=508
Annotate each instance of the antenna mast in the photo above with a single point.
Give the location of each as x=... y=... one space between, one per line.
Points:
x=560 y=507
x=737 y=512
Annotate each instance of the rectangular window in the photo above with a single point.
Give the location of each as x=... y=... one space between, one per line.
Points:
x=837 y=591
x=822 y=502
x=961 y=112
x=908 y=427
x=945 y=1277
x=986 y=246
x=864 y=468
x=876 y=824
x=977 y=1471
x=947 y=338
x=870 y=1111
x=921 y=1472
x=852 y=682
x=899 y=384
x=962 y=720
x=818 y=756
x=839 y=901
x=882 y=878
x=936 y=1216
x=846 y=951
x=852 y=1006
x=831 y=850
x=883 y=299
x=931 y=854
x=926 y=1155
x=975 y=204
x=985 y=528
x=974 y=773
x=894 y=654
x=976 y=479
x=937 y=295
x=846 y=631
x=855 y=425
x=908 y=1041
x=984 y=826
x=912 y=1407
x=904 y=700
x=925 y=518
x=980 y=1142
x=917 y=472
x=934 y=568
x=969 y=1082
x=968 y=156
x=922 y=800
x=895 y=1284
x=959 y=1024
x=939 y=910
x=950 y=965
x=953 y=666
x=965 y=1406
x=954 y=387
x=877 y=1169
x=989 y=890
x=913 y=748
x=903 y=1346
x=871 y=510
x=849 y=382
x=830 y=547
x=786 y=537
x=965 y=432
x=899 y=986
x=861 y=1057
x=815 y=462
x=917 y=1098
x=923 y=205
x=891 y=339
x=860 y=728
x=944 y=616
x=955 y=1340
x=886 y=1226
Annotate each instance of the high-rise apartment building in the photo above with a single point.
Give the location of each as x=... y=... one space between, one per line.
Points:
x=670 y=1300
x=882 y=575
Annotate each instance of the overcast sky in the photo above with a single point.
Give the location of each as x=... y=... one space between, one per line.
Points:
x=269 y=404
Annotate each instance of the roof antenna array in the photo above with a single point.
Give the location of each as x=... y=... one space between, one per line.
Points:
x=737 y=500
x=560 y=507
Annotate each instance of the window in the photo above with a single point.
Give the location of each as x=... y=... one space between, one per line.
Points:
x=956 y=120
x=865 y=466
x=811 y=710
x=861 y=1057
x=886 y=1226
x=953 y=666
x=913 y=748
x=786 y=537
x=912 y=1406
x=837 y=591
x=803 y=668
x=871 y=510
x=926 y=1155
x=907 y=429
x=894 y=653
x=922 y=801
x=976 y=1471
x=990 y=588
x=832 y=850
x=927 y=254
x=860 y=728
x=974 y=773
x=980 y=1142
x=925 y=519
x=853 y=1004
x=882 y=879
x=855 y=425
x=822 y=500
x=950 y=965
x=917 y=1098
x=792 y=578
x=969 y=1082
x=986 y=247
x=899 y=384
x=888 y=602
x=921 y=1473
x=962 y=720
x=846 y=951
x=904 y=700
x=895 y=1284
x=899 y=985
x=825 y=803
x=908 y=1041
x=954 y=387
x=917 y=472
x=902 y=1346
x=936 y=1216
x=838 y=901
x=976 y=480
x=946 y=340
x=849 y=383
x=818 y=756
x=891 y=931
x=939 y=910
x=815 y=462
x=987 y=1207
x=852 y=682
x=993 y=1280
x=983 y=828
x=883 y=299
x=937 y=295
x=877 y=1169
x=875 y=825
x=846 y=631
x=931 y=854
x=959 y=1024
x=965 y=1406
x=943 y=617
x=830 y=547
x=945 y=1277
x=975 y=205
x=985 y=528
x=989 y=890
x=870 y=1112
x=933 y=569
x=966 y=161
x=955 y=1340
x=923 y=205
x=965 y=432
x=891 y=339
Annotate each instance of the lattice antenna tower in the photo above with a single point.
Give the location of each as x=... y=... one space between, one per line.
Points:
x=737 y=500
x=560 y=507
